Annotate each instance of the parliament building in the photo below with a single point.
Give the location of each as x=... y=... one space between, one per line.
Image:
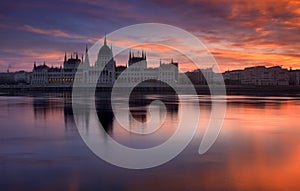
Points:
x=103 y=73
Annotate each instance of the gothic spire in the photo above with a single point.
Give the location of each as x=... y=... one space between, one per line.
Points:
x=86 y=61
x=105 y=40
x=65 y=57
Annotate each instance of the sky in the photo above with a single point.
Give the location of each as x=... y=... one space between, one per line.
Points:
x=238 y=33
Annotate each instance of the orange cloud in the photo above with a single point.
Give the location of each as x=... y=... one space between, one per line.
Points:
x=52 y=32
x=155 y=47
x=240 y=33
x=253 y=58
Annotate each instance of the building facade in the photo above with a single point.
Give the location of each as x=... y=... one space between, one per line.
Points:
x=258 y=76
x=104 y=71
x=138 y=71
x=294 y=77
x=43 y=75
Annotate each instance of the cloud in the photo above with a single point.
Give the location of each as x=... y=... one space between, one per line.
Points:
x=52 y=32
x=240 y=33
x=233 y=59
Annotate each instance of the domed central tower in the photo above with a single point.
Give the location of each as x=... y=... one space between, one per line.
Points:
x=106 y=63
x=105 y=55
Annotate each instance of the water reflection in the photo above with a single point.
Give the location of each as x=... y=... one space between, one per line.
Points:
x=258 y=148
x=104 y=111
x=61 y=105
x=49 y=106
x=139 y=106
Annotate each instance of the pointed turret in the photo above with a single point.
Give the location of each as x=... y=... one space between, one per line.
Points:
x=65 y=60
x=86 y=61
x=105 y=43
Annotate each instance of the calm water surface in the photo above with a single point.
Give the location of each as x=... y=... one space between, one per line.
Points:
x=258 y=147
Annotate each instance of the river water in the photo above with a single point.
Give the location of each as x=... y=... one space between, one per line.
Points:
x=258 y=147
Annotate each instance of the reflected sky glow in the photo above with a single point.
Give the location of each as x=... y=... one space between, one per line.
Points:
x=258 y=147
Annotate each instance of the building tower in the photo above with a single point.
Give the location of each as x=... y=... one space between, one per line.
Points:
x=106 y=63
x=137 y=61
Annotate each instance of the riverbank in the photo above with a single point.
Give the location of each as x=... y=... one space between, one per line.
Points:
x=201 y=89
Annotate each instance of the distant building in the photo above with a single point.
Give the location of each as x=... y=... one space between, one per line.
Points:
x=233 y=77
x=22 y=77
x=294 y=76
x=105 y=63
x=14 y=78
x=258 y=76
x=43 y=75
x=168 y=72
x=137 y=71
x=201 y=76
x=141 y=60
x=7 y=78
x=104 y=72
